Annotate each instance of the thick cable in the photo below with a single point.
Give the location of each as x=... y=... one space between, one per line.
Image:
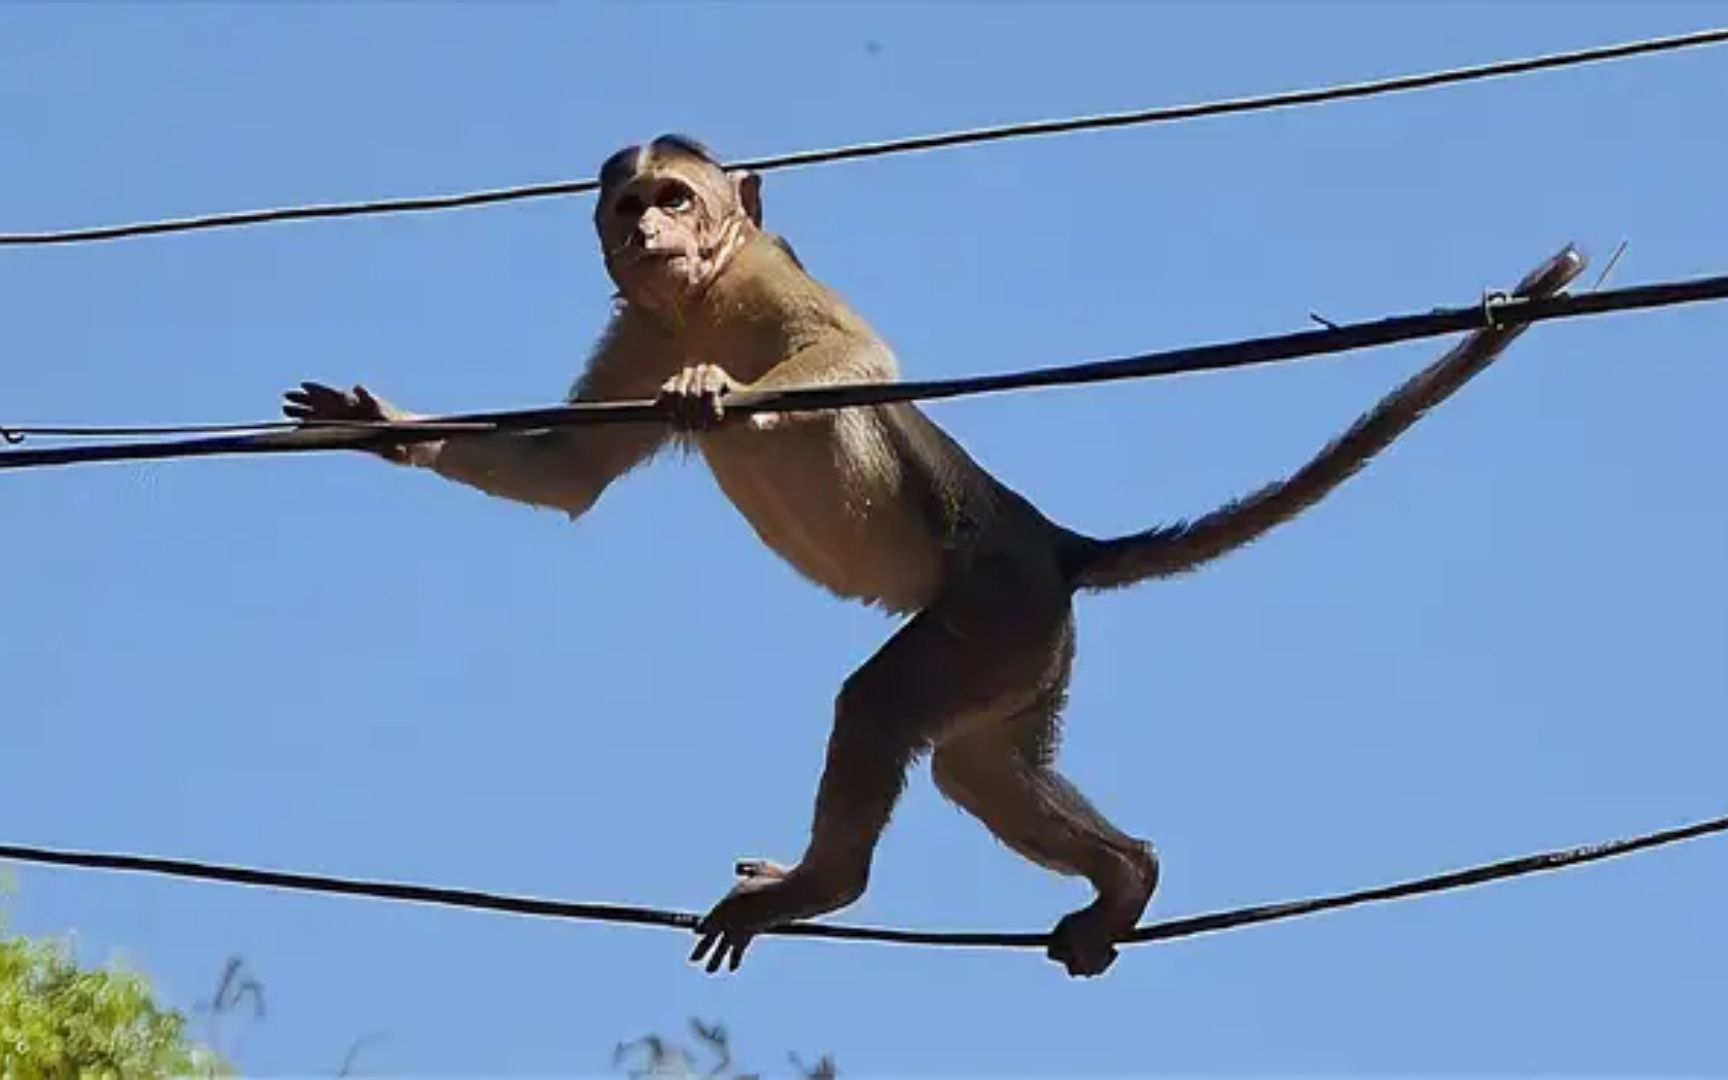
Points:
x=1493 y=313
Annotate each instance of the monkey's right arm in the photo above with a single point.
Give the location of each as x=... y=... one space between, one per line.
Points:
x=561 y=470
x=565 y=469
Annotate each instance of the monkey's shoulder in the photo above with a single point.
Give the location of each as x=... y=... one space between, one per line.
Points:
x=786 y=247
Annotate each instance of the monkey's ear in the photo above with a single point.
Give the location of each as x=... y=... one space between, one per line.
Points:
x=748 y=187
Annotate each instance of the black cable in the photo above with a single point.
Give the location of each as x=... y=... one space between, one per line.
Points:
x=1492 y=313
x=474 y=900
x=17 y=434
x=893 y=146
x=20 y=432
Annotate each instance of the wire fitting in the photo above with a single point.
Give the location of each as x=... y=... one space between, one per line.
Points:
x=1494 y=301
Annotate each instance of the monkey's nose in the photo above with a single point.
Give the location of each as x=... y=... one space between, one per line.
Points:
x=653 y=242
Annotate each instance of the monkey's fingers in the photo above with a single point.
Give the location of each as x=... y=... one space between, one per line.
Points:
x=316 y=400
x=674 y=399
x=722 y=386
x=300 y=410
x=298 y=401
x=320 y=394
x=713 y=408
x=371 y=405
x=712 y=386
x=690 y=411
x=694 y=397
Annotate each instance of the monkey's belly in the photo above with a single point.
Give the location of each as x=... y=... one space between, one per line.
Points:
x=826 y=495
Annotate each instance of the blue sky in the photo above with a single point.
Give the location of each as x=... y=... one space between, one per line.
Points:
x=1510 y=633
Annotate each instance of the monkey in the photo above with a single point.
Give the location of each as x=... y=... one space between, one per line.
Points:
x=874 y=504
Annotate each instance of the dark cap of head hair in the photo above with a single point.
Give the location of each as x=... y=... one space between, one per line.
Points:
x=630 y=160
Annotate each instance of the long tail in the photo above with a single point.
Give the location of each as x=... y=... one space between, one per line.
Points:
x=1177 y=548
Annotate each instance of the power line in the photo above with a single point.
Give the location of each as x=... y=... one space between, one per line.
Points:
x=58 y=431
x=503 y=903
x=1166 y=114
x=1492 y=313
x=88 y=431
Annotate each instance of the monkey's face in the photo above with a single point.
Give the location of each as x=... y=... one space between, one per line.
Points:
x=666 y=230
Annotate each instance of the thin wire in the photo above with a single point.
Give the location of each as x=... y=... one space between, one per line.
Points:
x=1613 y=261
x=17 y=433
x=1496 y=313
x=627 y=914
x=884 y=148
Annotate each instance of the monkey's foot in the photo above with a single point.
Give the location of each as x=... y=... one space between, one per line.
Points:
x=766 y=895
x=695 y=395
x=1084 y=942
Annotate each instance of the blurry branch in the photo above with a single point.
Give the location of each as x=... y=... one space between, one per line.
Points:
x=654 y=1056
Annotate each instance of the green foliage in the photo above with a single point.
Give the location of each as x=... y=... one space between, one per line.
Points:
x=59 y=1020
x=654 y=1057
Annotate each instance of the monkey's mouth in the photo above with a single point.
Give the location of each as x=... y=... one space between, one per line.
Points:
x=632 y=257
x=639 y=247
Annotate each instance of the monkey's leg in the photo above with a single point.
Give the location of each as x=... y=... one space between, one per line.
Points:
x=959 y=661
x=1002 y=776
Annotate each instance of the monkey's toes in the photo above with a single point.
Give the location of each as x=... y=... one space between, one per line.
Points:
x=719 y=949
x=1082 y=944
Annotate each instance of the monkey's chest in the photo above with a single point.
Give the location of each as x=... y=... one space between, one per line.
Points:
x=828 y=495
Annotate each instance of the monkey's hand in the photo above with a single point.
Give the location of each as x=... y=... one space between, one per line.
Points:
x=695 y=397
x=315 y=401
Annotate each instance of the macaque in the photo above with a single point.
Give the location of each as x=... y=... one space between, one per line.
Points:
x=875 y=504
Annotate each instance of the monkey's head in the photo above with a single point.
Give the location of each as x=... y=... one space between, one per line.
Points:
x=669 y=219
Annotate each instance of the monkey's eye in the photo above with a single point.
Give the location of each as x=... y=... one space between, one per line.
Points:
x=630 y=206
x=673 y=196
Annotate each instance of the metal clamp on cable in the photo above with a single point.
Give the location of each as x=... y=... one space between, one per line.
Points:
x=1490 y=302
